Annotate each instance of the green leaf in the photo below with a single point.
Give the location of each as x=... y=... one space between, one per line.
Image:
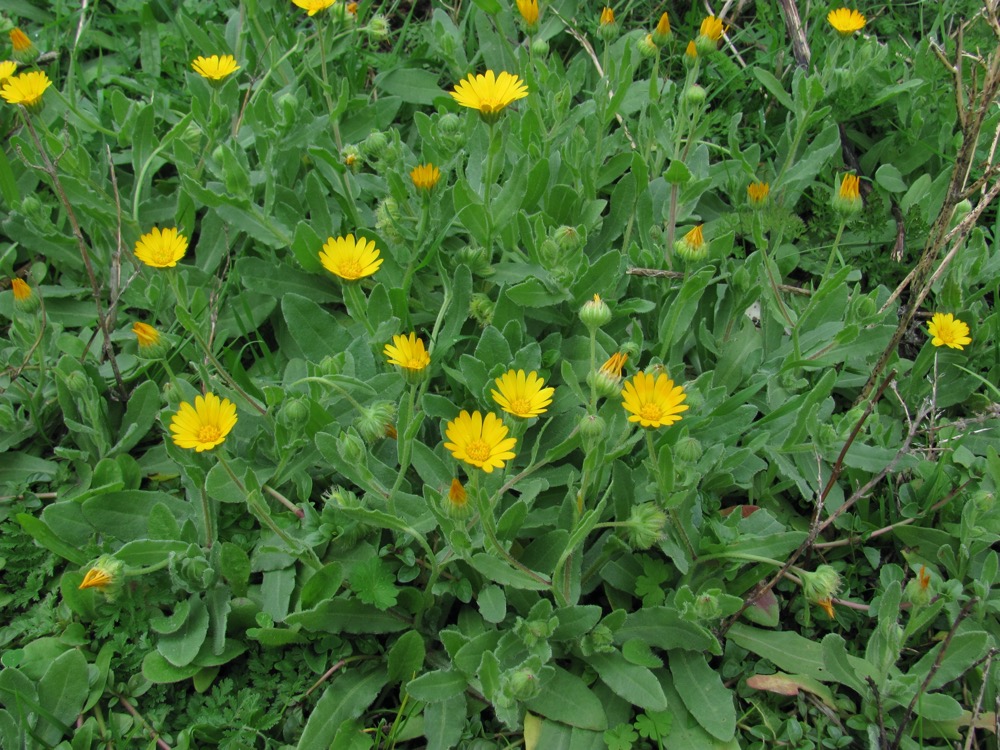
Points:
x=566 y=698
x=158 y=670
x=492 y=604
x=374 y=583
x=182 y=646
x=439 y=685
x=143 y=552
x=124 y=515
x=634 y=683
x=143 y=406
x=236 y=568
x=502 y=573
x=890 y=178
x=347 y=616
x=703 y=694
x=412 y=85
x=323 y=585
x=444 y=723
x=774 y=87
x=664 y=628
x=317 y=333
x=347 y=696
x=406 y=656
x=42 y=534
x=677 y=173
x=62 y=691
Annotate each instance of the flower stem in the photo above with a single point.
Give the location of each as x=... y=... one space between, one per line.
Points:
x=357 y=307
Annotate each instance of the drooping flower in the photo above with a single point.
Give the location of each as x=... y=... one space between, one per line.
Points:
x=425 y=176
x=26 y=89
x=24 y=50
x=7 y=68
x=947 y=330
x=522 y=395
x=480 y=442
x=846 y=21
x=653 y=401
x=407 y=352
x=161 y=248
x=757 y=192
x=105 y=575
x=215 y=68
x=692 y=245
x=489 y=93
x=147 y=336
x=314 y=6
x=847 y=199
x=204 y=425
x=529 y=14
x=661 y=34
x=350 y=258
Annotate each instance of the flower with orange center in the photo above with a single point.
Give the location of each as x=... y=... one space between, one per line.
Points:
x=654 y=401
x=204 y=425
x=480 y=441
x=522 y=395
x=846 y=21
x=489 y=93
x=161 y=248
x=313 y=6
x=947 y=330
x=407 y=352
x=425 y=177
x=350 y=259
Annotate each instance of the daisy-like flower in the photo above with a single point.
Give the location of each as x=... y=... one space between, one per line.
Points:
x=313 y=6
x=7 y=68
x=947 y=330
x=653 y=401
x=161 y=248
x=757 y=192
x=407 y=352
x=846 y=21
x=349 y=258
x=24 y=50
x=529 y=13
x=215 y=68
x=204 y=425
x=847 y=199
x=147 y=336
x=26 y=89
x=489 y=93
x=480 y=442
x=425 y=177
x=692 y=245
x=522 y=395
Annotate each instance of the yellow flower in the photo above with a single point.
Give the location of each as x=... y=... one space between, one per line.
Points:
x=711 y=28
x=24 y=50
x=529 y=12
x=947 y=330
x=215 y=68
x=757 y=192
x=489 y=93
x=608 y=379
x=204 y=425
x=425 y=176
x=653 y=401
x=607 y=16
x=847 y=199
x=26 y=89
x=846 y=21
x=850 y=187
x=661 y=34
x=313 y=6
x=826 y=604
x=22 y=292
x=692 y=51
x=522 y=395
x=613 y=367
x=480 y=442
x=692 y=245
x=147 y=336
x=457 y=501
x=7 y=68
x=350 y=259
x=408 y=352
x=161 y=248
x=105 y=575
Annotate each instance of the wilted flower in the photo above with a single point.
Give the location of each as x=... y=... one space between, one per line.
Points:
x=350 y=258
x=26 y=89
x=215 y=68
x=947 y=330
x=105 y=575
x=522 y=395
x=480 y=442
x=653 y=401
x=846 y=21
x=425 y=177
x=489 y=93
x=609 y=376
x=204 y=425
x=161 y=248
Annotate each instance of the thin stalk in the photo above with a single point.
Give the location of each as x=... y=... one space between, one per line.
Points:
x=485 y=510
x=357 y=306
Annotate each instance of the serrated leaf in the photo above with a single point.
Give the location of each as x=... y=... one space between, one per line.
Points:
x=374 y=584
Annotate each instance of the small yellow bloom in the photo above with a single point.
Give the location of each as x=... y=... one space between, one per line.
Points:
x=711 y=28
x=161 y=248
x=522 y=395
x=607 y=16
x=24 y=50
x=661 y=34
x=846 y=21
x=489 y=93
x=26 y=89
x=204 y=425
x=350 y=258
x=529 y=12
x=691 y=52
x=757 y=192
x=313 y=6
x=96 y=578
x=407 y=352
x=480 y=442
x=425 y=176
x=826 y=604
x=653 y=401
x=613 y=367
x=215 y=68
x=692 y=245
x=22 y=292
x=147 y=336
x=850 y=187
x=457 y=501
x=7 y=68
x=608 y=379
x=947 y=330
x=847 y=199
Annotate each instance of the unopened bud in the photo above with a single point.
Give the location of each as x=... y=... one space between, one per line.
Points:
x=645 y=526
x=647 y=47
x=695 y=94
x=372 y=420
x=595 y=313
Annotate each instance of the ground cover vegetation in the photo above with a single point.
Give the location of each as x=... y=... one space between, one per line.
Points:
x=499 y=374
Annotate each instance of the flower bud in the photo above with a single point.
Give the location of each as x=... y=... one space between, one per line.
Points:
x=456 y=502
x=386 y=217
x=25 y=299
x=351 y=156
x=332 y=364
x=709 y=35
x=692 y=246
x=76 y=382
x=608 y=379
x=688 y=450
x=600 y=640
x=476 y=258
x=757 y=193
x=539 y=48
x=645 y=526
x=662 y=34
x=372 y=420
x=707 y=607
x=647 y=47
x=523 y=685
x=595 y=313
x=24 y=51
x=352 y=449
x=105 y=575
x=375 y=145
x=378 y=28
x=918 y=591
x=294 y=413
x=821 y=585
x=481 y=308
x=569 y=239
x=695 y=95
x=846 y=200
x=690 y=53
x=592 y=428
x=607 y=29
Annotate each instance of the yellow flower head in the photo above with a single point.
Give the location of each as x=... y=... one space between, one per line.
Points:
x=105 y=575
x=204 y=425
x=826 y=604
x=407 y=352
x=24 y=50
x=22 y=292
x=161 y=248
x=26 y=89
x=489 y=93
x=653 y=401
x=691 y=52
x=457 y=500
x=480 y=442
x=7 y=68
x=607 y=16
x=613 y=367
x=350 y=258
x=425 y=176
x=947 y=330
x=692 y=245
x=313 y=6
x=529 y=12
x=847 y=199
x=757 y=192
x=661 y=34
x=147 y=336
x=522 y=395
x=846 y=21
x=711 y=28
x=215 y=68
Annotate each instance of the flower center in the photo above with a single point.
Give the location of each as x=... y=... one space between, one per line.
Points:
x=520 y=406
x=651 y=412
x=162 y=255
x=478 y=450
x=350 y=269
x=209 y=433
x=413 y=362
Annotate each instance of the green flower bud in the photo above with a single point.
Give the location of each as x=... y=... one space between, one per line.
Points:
x=523 y=685
x=595 y=313
x=919 y=591
x=375 y=145
x=481 y=308
x=692 y=246
x=352 y=449
x=476 y=258
x=600 y=640
x=695 y=94
x=592 y=429
x=645 y=526
x=351 y=156
x=456 y=501
x=341 y=498
x=373 y=420
x=386 y=217
x=332 y=365
x=688 y=450
x=76 y=382
x=294 y=413
x=846 y=201
x=378 y=28
x=550 y=253
x=706 y=606
x=820 y=585
x=30 y=205
x=539 y=48
x=570 y=239
x=647 y=47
